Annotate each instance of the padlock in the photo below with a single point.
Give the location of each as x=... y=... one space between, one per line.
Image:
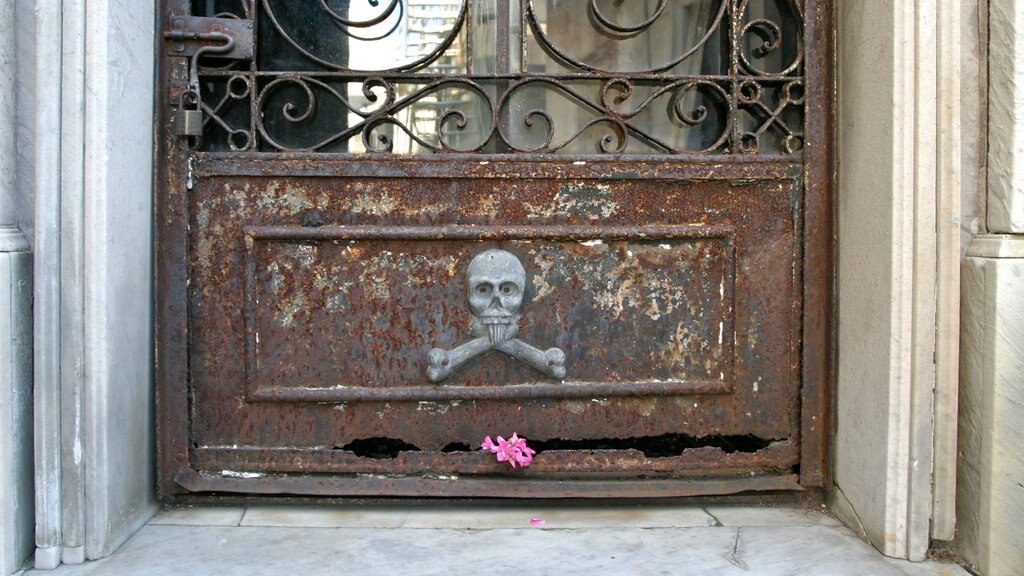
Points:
x=189 y=120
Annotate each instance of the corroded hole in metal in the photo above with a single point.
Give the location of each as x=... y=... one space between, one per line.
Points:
x=663 y=446
x=312 y=219
x=456 y=447
x=378 y=447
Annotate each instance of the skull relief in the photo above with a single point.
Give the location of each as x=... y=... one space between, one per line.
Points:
x=496 y=283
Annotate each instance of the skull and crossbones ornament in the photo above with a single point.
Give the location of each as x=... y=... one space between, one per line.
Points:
x=497 y=281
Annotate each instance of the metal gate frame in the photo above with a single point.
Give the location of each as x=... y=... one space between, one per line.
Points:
x=816 y=172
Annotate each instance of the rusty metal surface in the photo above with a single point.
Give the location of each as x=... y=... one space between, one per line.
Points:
x=589 y=273
x=317 y=335
x=170 y=269
x=441 y=487
x=707 y=461
x=739 y=170
x=816 y=330
x=299 y=296
x=187 y=35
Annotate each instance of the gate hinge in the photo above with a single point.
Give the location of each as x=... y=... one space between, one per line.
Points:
x=193 y=36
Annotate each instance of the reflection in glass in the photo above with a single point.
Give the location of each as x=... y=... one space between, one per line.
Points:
x=368 y=37
x=360 y=35
x=638 y=36
x=419 y=127
x=666 y=37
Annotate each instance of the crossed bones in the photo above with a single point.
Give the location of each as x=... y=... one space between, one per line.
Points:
x=496 y=283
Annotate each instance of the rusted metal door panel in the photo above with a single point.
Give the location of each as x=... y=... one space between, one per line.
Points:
x=316 y=301
x=302 y=296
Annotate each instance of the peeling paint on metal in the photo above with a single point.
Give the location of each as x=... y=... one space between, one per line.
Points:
x=592 y=202
x=246 y=475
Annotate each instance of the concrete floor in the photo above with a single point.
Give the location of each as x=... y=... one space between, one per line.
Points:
x=593 y=541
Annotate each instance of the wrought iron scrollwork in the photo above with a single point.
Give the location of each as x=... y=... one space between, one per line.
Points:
x=378 y=26
x=768 y=37
x=618 y=28
x=346 y=120
x=605 y=24
x=734 y=86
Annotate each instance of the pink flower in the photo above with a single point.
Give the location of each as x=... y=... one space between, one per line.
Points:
x=514 y=450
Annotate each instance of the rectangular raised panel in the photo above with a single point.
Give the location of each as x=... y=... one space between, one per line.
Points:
x=350 y=313
x=315 y=303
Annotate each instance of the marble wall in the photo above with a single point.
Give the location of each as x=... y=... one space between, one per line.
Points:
x=990 y=491
x=991 y=468
x=84 y=163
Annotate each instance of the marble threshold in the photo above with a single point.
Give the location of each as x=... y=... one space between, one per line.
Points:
x=720 y=540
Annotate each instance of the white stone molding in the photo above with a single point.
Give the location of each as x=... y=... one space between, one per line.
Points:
x=91 y=178
x=950 y=59
x=72 y=276
x=39 y=47
x=118 y=297
x=898 y=198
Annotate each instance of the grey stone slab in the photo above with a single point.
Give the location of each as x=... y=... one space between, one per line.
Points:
x=220 y=516
x=160 y=550
x=825 y=550
x=544 y=517
x=770 y=516
x=323 y=517
x=559 y=518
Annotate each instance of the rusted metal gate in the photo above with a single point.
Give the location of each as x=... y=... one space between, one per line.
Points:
x=388 y=229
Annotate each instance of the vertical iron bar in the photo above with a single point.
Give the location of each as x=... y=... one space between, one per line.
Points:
x=502 y=40
x=734 y=15
x=521 y=35
x=468 y=31
x=253 y=12
x=502 y=44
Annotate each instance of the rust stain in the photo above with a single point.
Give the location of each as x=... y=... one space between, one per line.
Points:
x=337 y=321
x=374 y=203
x=593 y=202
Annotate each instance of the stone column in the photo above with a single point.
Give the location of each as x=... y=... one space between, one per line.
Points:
x=11 y=238
x=16 y=543
x=990 y=494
